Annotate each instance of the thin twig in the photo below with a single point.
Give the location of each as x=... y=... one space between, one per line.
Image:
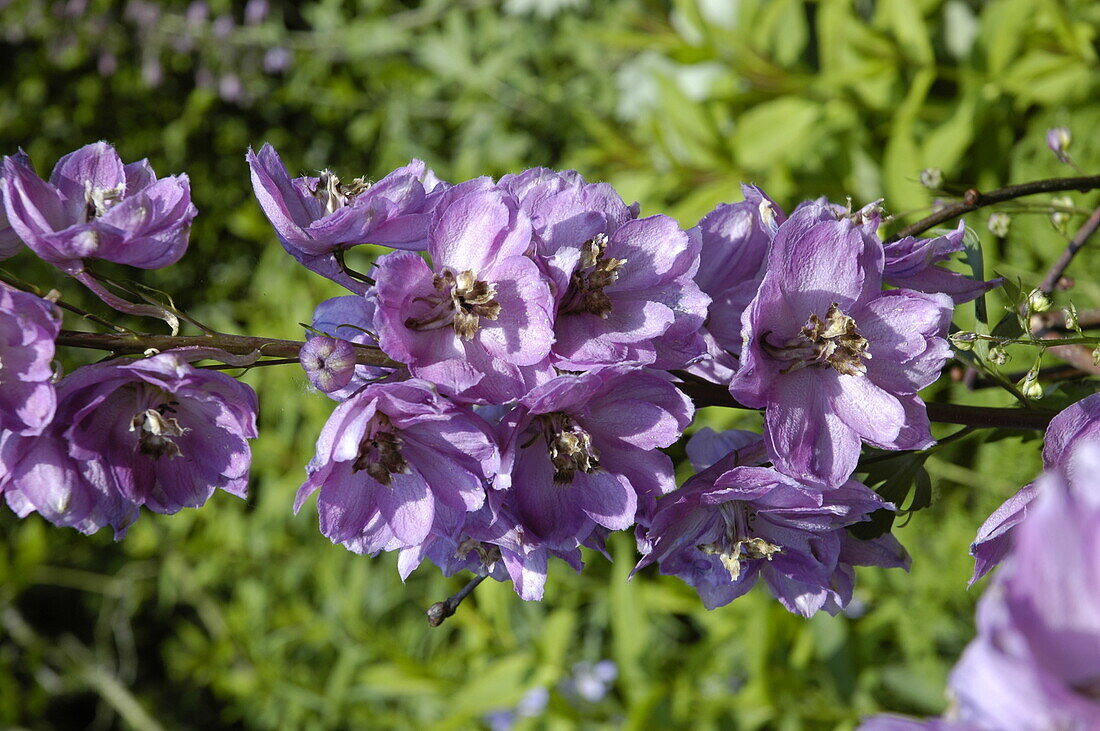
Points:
x=974 y=199
x=439 y=611
x=234 y=344
x=1058 y=268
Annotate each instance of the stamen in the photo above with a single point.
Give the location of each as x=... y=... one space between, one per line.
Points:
x=461 y=301
x=98 y=200
x=594 y=272
x=154 y=430
x=736 y=546
x=333 y=194
x=380 y=453
x=569 y=446
x=834 y=342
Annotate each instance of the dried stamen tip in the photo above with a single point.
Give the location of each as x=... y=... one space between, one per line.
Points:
x=594 y=271
x=834 y=342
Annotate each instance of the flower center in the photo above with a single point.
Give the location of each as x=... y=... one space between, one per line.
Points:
x=460 y=301
x=736 y=545
x=569 y=447
x=595 y=271
x=333 y=194
x=98 y=200
x=834 y=342
x=380 y=452
x=155 y=430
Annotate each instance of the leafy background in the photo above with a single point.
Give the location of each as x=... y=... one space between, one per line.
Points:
x=241 y=615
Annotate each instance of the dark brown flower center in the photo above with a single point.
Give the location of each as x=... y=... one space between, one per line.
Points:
x=594 y=271
x=461 y=301
x=333 y=194
x=569 y=447
x=380 y=452
x=834 y=342
x=155 y=431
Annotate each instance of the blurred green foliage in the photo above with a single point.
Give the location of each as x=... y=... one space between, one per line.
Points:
x=242 y=614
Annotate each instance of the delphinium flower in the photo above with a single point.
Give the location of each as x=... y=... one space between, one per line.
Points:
x=95 y=207
x=834 y=359
x=10 y=243
x=394 y=460
x=28 y=329
x=351 y=318
x=318 y=218
x=720 y=532
x=581 y=451
x=1035 y=664
x=1077 y=425
x=478 y=322
x=157 y=432
x=911 y=263
x=735 y=241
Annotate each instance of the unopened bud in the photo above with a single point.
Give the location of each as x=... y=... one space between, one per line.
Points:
x=1038 y=301
x=1058 y=139
x=998 y=224
x=998 y=355
x=931 y=178
x=1096 y=356
x=1061 y=209
x=1070 y=313
x=328 y=362
x=1030 y=386
x=963 y=340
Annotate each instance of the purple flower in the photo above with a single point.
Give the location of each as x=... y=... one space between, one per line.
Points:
x=28 y=329
x=94 y=207
x=1058 y=139
x=581 y=450
x=623 y=288
x=156 y=432
x=735 y=242
x=478 y=323
x=328 y=362
x=393 y=461
x=911 y=264
x=1036 y=661
x=10 y=243
x=317 y=218
x=719 y=533
x=833 y=359
x=1077 y=425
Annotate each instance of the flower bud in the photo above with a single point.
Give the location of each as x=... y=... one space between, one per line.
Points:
x=1096 y=356
x=998 y=355
x=1058 y=139
x=963 y=340
x=1030 y=386
x=998 y=224
x=1070 y=313
x=931 y=178
x=1038 y=301
x=1061 y=209
x=328 y=362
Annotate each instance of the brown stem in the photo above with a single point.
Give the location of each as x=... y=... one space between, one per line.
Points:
x=1050 y=281
x=441 y=610
x=124 y=344
x=973 y=200
x=704 y=393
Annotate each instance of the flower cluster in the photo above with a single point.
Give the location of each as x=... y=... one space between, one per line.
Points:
x=536 y=338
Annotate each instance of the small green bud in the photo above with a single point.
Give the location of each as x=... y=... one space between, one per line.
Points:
x=931 y=178
x=1096 y=356
x=1070 y=313
x=998 y=224
x=998 y=355
x=1030 y=386
x=1061 y=210
x=963 y=340
x=1038 y=301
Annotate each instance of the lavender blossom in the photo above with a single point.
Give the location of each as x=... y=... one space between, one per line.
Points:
x=394 y=460
x=28 y=329
x=10 y=243
x=1058 y=140
x=581 y=451
x=328 y=362
x=94 y=207
x=318 y=218
x=833 y=359
x=719 y=533
x=911 y=264
x=735 y=241
x=478 y=323
x=156 y=432
x=1075 y=426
